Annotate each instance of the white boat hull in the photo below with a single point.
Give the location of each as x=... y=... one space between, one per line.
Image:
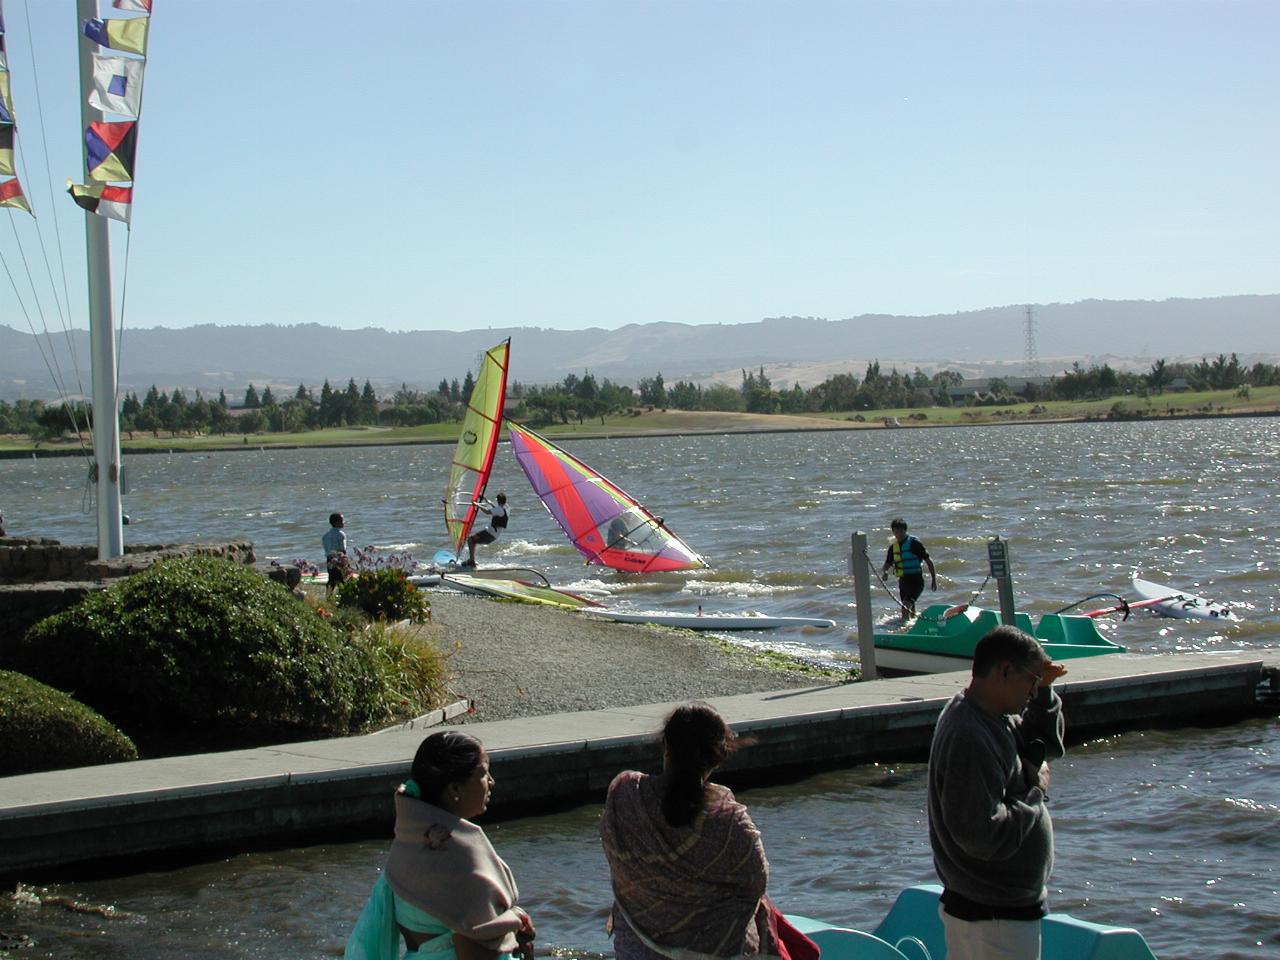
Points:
x=692 y=621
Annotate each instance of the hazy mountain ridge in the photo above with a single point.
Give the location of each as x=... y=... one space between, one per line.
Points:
x=211 y=357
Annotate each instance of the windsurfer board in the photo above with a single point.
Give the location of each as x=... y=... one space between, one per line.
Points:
x=725 y=621
x=1169 y=602
x=515 y=590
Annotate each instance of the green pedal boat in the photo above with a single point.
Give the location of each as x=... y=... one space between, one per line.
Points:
x=942 y=639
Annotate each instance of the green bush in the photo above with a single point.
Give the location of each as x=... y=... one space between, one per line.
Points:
x=202 y=652
x=384 y=594
x=412 y=671
x=44 y=729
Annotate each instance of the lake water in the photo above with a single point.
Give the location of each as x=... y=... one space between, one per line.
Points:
x=1174 y=832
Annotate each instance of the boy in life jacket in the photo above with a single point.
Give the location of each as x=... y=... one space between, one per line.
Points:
x=906 y=557
x=497 y=523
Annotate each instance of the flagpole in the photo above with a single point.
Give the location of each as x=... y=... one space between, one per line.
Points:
x=102 y=346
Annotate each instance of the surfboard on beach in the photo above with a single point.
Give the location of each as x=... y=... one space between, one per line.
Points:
x=723 y=621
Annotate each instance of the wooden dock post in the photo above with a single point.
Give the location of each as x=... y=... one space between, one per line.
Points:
x=998 y=558
x=862 y=602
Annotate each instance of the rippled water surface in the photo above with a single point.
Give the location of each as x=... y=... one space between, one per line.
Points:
x=1174 y=832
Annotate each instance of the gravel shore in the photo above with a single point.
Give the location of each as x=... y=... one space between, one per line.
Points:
x=522 y=660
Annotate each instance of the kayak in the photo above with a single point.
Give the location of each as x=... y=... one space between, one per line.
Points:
x=1169 y=602
x=712 y=621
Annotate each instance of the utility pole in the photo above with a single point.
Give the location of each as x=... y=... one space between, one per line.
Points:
x=1030 y=359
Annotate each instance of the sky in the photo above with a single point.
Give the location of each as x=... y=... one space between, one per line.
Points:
x=464 y=165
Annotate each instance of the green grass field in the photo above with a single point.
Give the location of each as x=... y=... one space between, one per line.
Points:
x=1208 y=402
x=1262 y=400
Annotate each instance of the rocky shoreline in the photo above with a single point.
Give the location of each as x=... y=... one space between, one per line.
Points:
x=521 y=660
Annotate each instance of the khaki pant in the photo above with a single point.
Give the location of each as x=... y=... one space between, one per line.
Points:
x=990 y=939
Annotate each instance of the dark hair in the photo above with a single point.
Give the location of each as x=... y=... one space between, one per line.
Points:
x=697 y=741
x=334 y=518
x=897 y=523
x=502 y=498
x=1006 y=644
x=444 y=758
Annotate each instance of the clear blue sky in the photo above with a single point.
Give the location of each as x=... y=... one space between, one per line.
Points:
x=428 y=165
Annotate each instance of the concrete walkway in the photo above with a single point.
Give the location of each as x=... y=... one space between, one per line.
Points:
x=238 y=797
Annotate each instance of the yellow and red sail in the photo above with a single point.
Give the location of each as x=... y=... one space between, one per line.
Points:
x=477 y=443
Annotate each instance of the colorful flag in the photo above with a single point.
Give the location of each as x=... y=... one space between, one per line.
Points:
x=117 y=85
x=103 y=199
x=6 y=149
x=11 y=195
x=4 y=60
x=6 y=105
x=111 y=149
x=128 y=35
x=138 y=6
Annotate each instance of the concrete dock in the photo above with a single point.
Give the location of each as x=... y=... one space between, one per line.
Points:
x=301 y=790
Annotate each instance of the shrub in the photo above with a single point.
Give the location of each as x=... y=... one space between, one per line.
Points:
x=384 y=594
x=412 y=671
x=202 y=651
x=44 y=729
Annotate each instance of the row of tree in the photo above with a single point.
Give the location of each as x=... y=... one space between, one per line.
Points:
x=581 y=398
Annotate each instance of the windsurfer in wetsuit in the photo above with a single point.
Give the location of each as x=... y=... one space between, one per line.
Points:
x=905 y=557
x=497 y=523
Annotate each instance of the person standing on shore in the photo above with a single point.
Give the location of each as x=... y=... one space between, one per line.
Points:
x=335 y=550
x=497 y=523
x=906 y=557
x=989 y=826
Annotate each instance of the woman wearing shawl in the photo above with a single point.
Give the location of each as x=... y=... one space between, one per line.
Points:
x=687 y=865
x=445 y=890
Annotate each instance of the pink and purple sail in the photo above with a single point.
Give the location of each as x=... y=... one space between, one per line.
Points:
x=606 y=525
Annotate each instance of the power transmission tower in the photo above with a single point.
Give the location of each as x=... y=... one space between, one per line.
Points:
x=1030 y=360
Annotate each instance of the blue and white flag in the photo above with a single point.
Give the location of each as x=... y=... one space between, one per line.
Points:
x=117 y=85
x=128 y=35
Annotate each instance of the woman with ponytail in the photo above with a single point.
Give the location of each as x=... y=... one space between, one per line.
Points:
x=687 y=865
x=445 y=892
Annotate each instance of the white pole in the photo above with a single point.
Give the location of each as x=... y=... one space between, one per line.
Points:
x=862 y=603
x=102 y=347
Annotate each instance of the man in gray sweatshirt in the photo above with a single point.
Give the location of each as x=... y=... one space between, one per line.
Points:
x=989 y=825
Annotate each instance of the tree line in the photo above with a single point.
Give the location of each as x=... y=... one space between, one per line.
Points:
x=584 y=397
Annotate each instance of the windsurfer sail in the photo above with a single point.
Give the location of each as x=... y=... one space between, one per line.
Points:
x=477 y=443
x=606 y=525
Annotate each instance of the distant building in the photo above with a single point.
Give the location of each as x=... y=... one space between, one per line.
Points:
x=981 y=386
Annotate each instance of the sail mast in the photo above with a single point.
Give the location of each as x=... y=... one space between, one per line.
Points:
x=106 y=416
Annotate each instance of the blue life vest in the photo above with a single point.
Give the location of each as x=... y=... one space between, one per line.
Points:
x=905 y=562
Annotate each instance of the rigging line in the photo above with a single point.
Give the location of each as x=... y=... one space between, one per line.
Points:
x=880 y=579
x=48 y=174
x=58 y=384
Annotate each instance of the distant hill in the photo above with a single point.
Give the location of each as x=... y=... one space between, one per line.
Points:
x=792 y=349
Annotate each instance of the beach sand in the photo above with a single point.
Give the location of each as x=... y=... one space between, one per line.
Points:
x=522 y=660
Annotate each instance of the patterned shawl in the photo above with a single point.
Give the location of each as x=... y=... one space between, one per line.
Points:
x=691 y=892
x=446 y=866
